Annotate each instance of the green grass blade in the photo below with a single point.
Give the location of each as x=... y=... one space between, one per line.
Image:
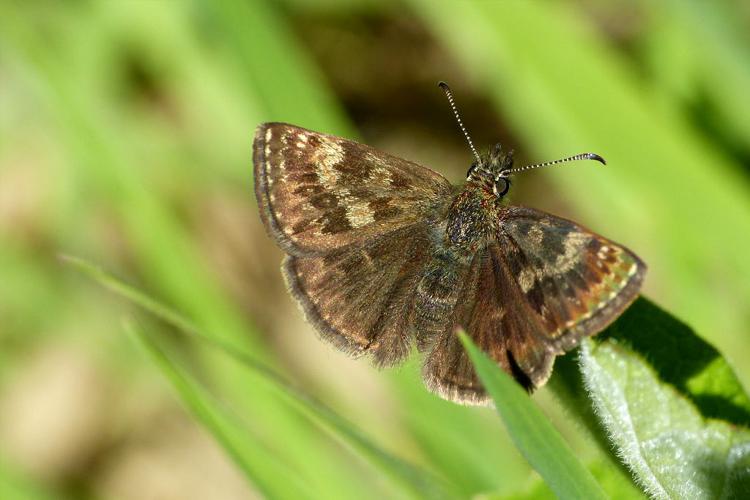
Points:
x=533 y=434
x=164 y=250
x=455 y=442
x=409 y=479
x=716 y=72
x=269 y=476
x=269 y=62
x=415 y=480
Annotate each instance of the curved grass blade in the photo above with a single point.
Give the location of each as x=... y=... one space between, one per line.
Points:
x=277 y=479
x=536 y=438
x=103 y=163
x=412 y=481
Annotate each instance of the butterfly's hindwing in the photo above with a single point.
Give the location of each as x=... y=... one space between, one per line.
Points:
x=318 y=193
x=491 y=311
x=361 y=298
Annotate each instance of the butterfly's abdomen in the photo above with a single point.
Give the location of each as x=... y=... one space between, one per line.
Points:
x=471 y=218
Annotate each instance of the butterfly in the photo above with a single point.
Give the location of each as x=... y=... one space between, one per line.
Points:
x=384 y=254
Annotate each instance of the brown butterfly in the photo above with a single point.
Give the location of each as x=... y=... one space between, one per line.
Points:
x=383 y=252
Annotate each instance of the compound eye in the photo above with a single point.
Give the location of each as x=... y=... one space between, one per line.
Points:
x=471 y=170
x=501 y=187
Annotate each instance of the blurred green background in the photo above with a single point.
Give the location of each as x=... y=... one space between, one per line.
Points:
x=125 y=138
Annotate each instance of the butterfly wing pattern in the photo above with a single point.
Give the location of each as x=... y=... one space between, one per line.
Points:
x=354 y=222
x=319 y=192
x=530 y=296
x=369 y=264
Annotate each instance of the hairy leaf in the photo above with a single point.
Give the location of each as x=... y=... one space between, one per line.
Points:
x=671 y=448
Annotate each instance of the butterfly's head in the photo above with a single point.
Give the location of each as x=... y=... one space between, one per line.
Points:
x=492 y=170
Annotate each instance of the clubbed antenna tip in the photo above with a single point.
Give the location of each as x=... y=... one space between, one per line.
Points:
x=594 y=156
x=581 y=156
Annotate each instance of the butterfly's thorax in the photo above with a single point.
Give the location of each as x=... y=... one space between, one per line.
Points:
x=472 y=217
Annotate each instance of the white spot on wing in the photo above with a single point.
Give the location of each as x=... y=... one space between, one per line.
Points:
x=526 y=279
x=535 y=235
x=632 y=270
x=571 y=253
x=326 y=157
x=359 y=214
x=375 y=159
x=381 y=176
x=269 y=134
x=497 y=315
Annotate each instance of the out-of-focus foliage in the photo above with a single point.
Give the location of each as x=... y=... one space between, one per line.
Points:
x=673 y=192
x=125 y=132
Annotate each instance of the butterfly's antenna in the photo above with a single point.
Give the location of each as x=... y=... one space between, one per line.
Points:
x=582 y=156
x=449 y=95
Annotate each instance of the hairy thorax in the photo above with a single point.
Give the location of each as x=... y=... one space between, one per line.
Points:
x=473 y=218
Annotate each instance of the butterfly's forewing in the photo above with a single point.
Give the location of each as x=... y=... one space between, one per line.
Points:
x=576 y=281
x=318 y=193
x=530 y=296
x=360 y=298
